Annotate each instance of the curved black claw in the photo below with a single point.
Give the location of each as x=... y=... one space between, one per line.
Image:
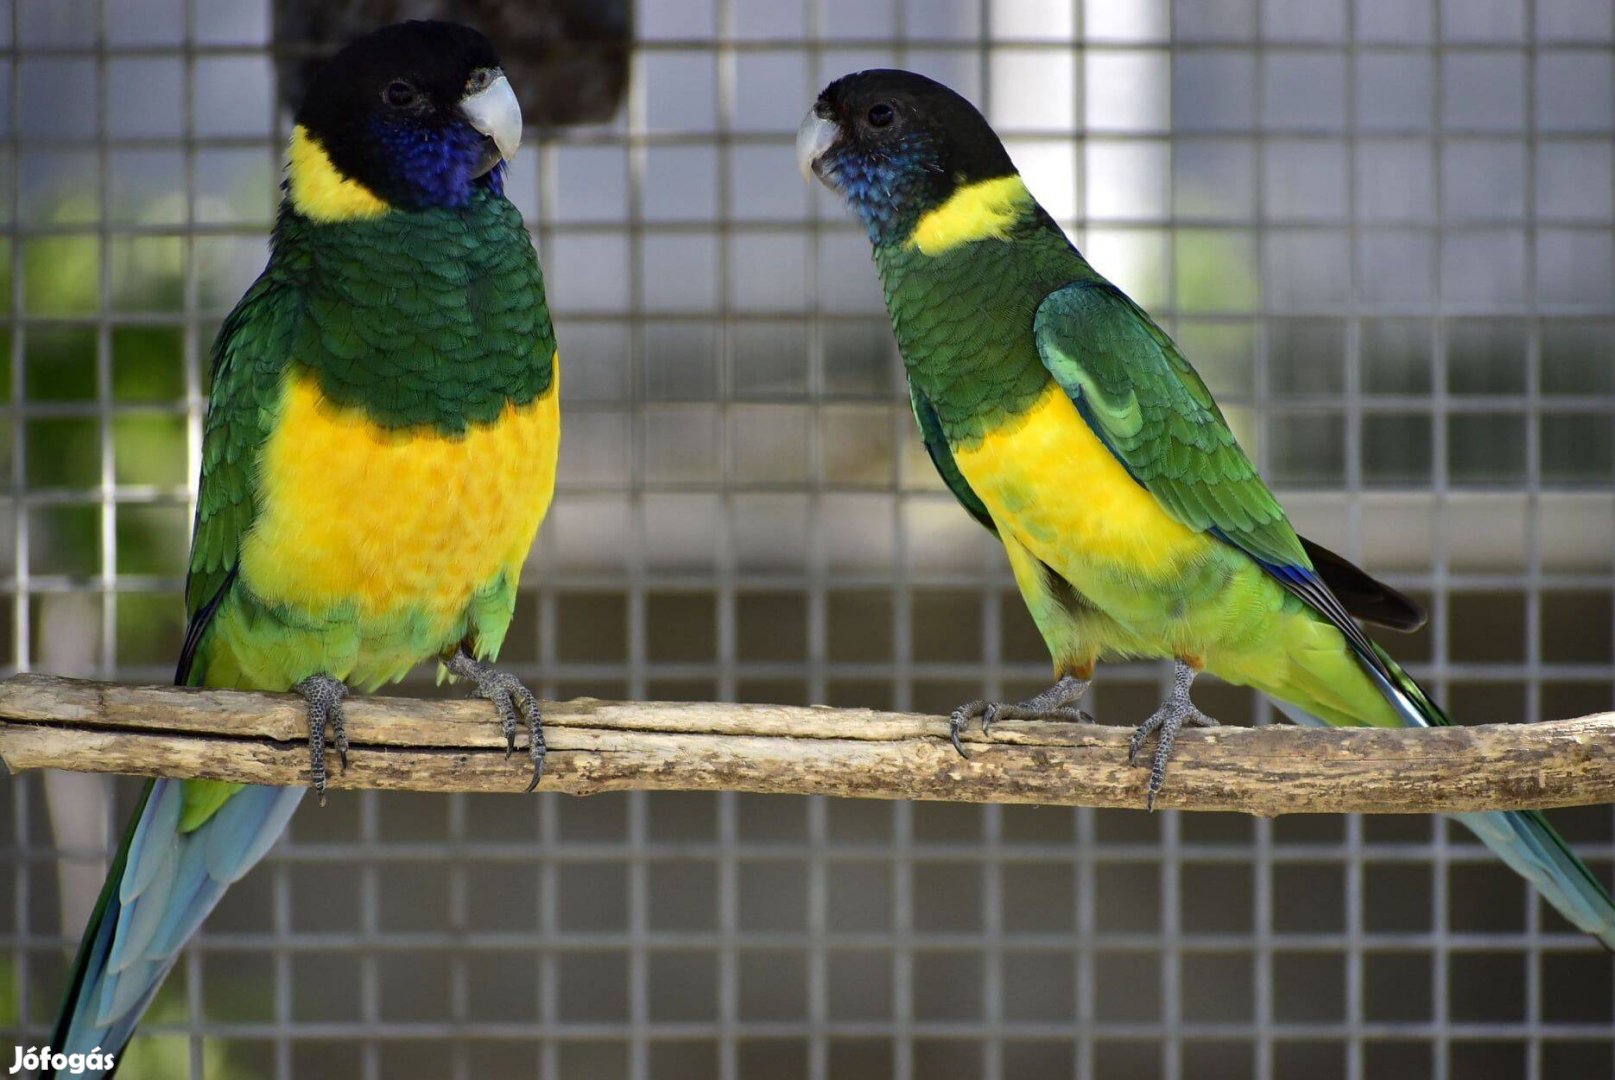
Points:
x=1055 y=703
x=512 y=700
x=324 y=696
x=960 y=719
x=1168 y=720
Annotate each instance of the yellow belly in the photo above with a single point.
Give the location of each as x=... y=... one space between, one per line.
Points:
x=396 y=523
x=1047 y=478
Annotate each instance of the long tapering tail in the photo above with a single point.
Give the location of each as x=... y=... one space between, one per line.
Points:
x=163 y=882
x=1521 y=838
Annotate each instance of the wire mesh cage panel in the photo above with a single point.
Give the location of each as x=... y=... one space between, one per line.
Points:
x=1384 y=231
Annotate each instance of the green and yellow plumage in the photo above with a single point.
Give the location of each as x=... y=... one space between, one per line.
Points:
x=1068 y=423
x=379 y=451
x=1110 y=464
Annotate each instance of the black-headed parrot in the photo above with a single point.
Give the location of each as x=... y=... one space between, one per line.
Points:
x=1068 y=423
x=378 y=453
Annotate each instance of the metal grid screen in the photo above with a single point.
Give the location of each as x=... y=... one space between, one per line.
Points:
x=1385 y=232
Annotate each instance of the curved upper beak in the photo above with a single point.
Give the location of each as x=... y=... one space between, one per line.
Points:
x=814 y=138
x=496 y=113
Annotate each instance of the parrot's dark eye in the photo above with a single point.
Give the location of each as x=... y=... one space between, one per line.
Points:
x=399 y=94
x=881 y=115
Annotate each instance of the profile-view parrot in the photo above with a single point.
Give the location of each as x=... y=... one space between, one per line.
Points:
x=378 y=453
x=1067 y=423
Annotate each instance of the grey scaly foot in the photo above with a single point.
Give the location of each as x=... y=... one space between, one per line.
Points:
x=513 y=702
x=1168 y=720
x=1058 y=702
x=324 y=696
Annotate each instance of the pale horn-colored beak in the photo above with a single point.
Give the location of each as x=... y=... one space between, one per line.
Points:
x=496 y=113
x=813 y=139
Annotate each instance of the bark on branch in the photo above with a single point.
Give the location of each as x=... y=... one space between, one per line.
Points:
x=596 y=746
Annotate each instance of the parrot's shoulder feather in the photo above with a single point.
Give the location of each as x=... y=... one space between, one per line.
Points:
x=1150 y=408
x=250 y=356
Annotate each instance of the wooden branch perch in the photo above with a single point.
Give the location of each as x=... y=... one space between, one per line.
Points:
x=596 y=746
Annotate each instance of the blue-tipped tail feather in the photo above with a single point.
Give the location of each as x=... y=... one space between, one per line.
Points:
x=1521 y=838
x=162 y=884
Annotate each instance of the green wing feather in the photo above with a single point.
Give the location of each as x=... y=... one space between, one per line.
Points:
x=1145 y=402
x=1150 y=408
x=249 y=358
x=936 y=444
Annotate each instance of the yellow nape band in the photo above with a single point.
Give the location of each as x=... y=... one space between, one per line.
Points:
x=321 y=193
x=981 y=211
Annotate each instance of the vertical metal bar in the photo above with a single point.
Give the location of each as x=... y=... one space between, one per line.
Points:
x=1087 y=939
x=191 y=287
x=459 y=988
x=1262 y=918
x=729 y=989
x=106 y=664
x=639 y=544
x=1171 y=945
x=818 y=903
x=1440 y=618
x=22 y=628
x=902 y=921
x=1084 y=827
x=22 y=883
x=818 y=603
x=548 y=1056
x=903 y=942
x=990 y=846
x=281 y=901
x=549 y=979
x=1352 y=878
x=370 y=936
x=1263 y=997
x=1170 y=872
x=639 y=933
x=992 y=905
x=284 y=970
x=1533 y=526
x=23 y=895
x=728 y=930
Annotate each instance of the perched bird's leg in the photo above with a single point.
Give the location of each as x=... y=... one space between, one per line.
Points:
x=324 y=696
x=511 y=699
x=1058 y=702
x=1169 y=719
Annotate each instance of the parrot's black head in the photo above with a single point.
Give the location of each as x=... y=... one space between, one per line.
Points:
x=417 y=114
x=896 y=144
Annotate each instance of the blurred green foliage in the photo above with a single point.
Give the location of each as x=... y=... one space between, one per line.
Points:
x=135 y=385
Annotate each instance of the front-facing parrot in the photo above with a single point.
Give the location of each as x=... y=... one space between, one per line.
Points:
x=1067 y=423
x=378 y=453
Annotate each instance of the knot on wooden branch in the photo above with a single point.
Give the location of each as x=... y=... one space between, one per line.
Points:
x=409 y=744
